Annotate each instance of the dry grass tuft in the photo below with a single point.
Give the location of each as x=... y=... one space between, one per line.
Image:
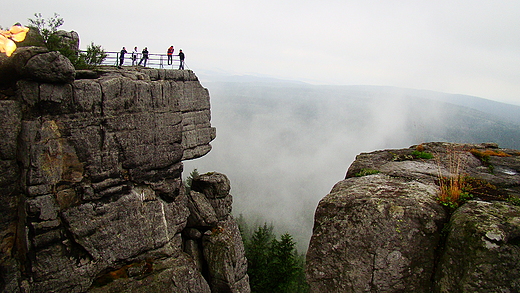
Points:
x=452 y=187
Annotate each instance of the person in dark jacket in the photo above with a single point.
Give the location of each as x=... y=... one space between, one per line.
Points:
x=181 y=58
x=144 y=57
x=122 y=57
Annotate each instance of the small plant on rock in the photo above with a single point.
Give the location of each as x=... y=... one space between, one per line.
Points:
x=454 y=191
x=95 y=55
x=365 y=172
x=422 y=155
x=189 y=180
x=514 y=200
x=452 y=188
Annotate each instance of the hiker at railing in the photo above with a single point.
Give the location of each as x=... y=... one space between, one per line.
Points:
x=170 y=55
x=152 y=60
x=122 y=57
x=181 y=58
x=144 y=57
x=134 y=56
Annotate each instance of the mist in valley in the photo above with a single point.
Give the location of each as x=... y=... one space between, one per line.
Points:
x=284 y=145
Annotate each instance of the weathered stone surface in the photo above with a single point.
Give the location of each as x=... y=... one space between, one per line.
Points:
x=169 y=275
x=202 y=213
x=213 y=185
x=91 y=191
x=49 y=67
x=10 y=119
x=222 y=206
x=108 y=232
x=223 y=250
x=194 y=249
x=225 y=256
x=11 y=67
x=482 y=249
x=69 y=39
x=375 y=233
x=385 y=232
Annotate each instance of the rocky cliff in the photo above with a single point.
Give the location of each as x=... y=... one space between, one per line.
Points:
x=382 y=229
x=92 y=198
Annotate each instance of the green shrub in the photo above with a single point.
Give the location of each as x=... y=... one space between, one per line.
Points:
x=514 y=200
x=94 y=56
x=422 y=155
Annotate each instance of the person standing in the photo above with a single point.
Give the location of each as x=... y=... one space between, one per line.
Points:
x=122 y=57
x=134 y=56
x=170 y=55
x=144 y=57
x=181 y=58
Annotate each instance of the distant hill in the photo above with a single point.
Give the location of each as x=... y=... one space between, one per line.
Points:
x=423 y=115
x=285 y=144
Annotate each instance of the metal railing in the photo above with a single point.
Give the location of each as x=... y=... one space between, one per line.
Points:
x=154 y=60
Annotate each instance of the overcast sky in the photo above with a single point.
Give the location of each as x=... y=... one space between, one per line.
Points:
x=467 y=47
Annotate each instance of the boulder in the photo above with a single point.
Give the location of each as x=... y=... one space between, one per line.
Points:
x=49 y=67
x=202 y=213
x=69 y=39
x=482 y=251
x=213 y=185
x=384 y=229
x=375 y=233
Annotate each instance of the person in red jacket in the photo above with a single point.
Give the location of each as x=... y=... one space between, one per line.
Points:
x=170 y=55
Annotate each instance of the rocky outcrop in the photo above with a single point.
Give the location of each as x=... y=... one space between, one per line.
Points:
x=382 y=229
x=212 y=228
x=91 y=189
x=37 y=64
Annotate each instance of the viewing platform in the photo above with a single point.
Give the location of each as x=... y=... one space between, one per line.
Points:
x=155 y=60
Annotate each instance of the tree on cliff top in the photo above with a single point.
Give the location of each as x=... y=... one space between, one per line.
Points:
x=45 y=33
x=46 y=27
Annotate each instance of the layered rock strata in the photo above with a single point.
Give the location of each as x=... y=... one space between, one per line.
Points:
x=382 y=229
x=91 y=192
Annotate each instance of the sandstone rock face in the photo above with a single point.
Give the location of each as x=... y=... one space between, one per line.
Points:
x=220 y=239
x=482 y=249
x=69 y=39
x=383 y=230
x=91 y=192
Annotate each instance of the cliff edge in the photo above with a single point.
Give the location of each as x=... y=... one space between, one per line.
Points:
x=383 y=228
x=92 y=196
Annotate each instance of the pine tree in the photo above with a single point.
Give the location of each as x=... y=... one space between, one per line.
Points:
x=189 y=180
x=283 y=264
x=258 y=256
x=273 y=265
